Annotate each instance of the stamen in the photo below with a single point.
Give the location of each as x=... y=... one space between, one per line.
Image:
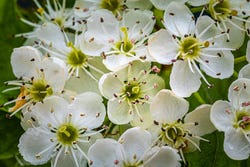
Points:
x=82 y=152
x=235 y=25
x=74 y=157
x=57 y=156
x=192 y=142
x=198 y=70
x=89 y=74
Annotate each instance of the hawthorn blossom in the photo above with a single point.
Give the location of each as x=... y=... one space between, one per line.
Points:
x=55 y=13
x=38 y=77
x=84 y=8
x=191 y=47
x=230 y=17
x=65 y=131
x=132 y=149
x=129 y=92
x=84 y=70
x=119 y=42
x=174 y=127
x=233 y=118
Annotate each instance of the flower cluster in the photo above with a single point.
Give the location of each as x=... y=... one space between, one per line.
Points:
x=88 y=70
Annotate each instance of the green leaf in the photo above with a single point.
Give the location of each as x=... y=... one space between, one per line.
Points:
x=10 y=131
x=212 y=154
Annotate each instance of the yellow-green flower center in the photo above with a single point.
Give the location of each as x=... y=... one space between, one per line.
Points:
x=76 y=58
x=136 y=164
x=190 y=47
x=173 y=135
x=125 y=45
x=132 y=90
x=242 y=120
x=111 y=5
x=220 y=9
x=67 y=134
x=39 y=90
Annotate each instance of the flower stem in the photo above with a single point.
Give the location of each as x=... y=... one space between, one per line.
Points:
x=235 y=74
x=199 y=98
x=239 y=59
x=197 y=9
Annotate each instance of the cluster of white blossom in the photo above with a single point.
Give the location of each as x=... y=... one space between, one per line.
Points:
x=88 y=70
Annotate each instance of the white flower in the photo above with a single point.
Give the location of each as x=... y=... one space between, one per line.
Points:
x=55 y=13
x=65 y=131
x=163 y=4
x=119 y=42
x=132 y=149
x=129 y=92
x=230 y=17
x=84 y=70
x=84 y=8
x=190 y=47
x=233 y=118
x=174 y=127
x=38 y=77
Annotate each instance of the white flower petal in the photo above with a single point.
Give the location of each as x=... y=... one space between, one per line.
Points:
x=66 y=160
x=248 y=26
x=200 y=115
x=139 y=24
x=82 y=83
x=166 y=107
x=106 y=153
x=90 y=47
x=117 y=62
x=51 y=34
x=26 y=118
x=248 y=46
x=163 y=4
x=25 y=61
x=105 y=87
x=55 y=73
x=88 y=110
x=135 y=141
x=52 y=110
x=239 y=92
x=34 y=141
x=102 y=26
x=190 y=145
x=136 y=68
x=240 y=6
x=198 y=2
x=162 y=156
x=145 y=119
x=236 y=145
x=83 y=8
x=245 y=72
x=179 y=20
x=236 y=36
x=220 y=66
x=154 y=84
x=119 y=111
x=183 y=81
x=162 y=47
x=96 y=67
x=222 y=115
x=202 y=30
